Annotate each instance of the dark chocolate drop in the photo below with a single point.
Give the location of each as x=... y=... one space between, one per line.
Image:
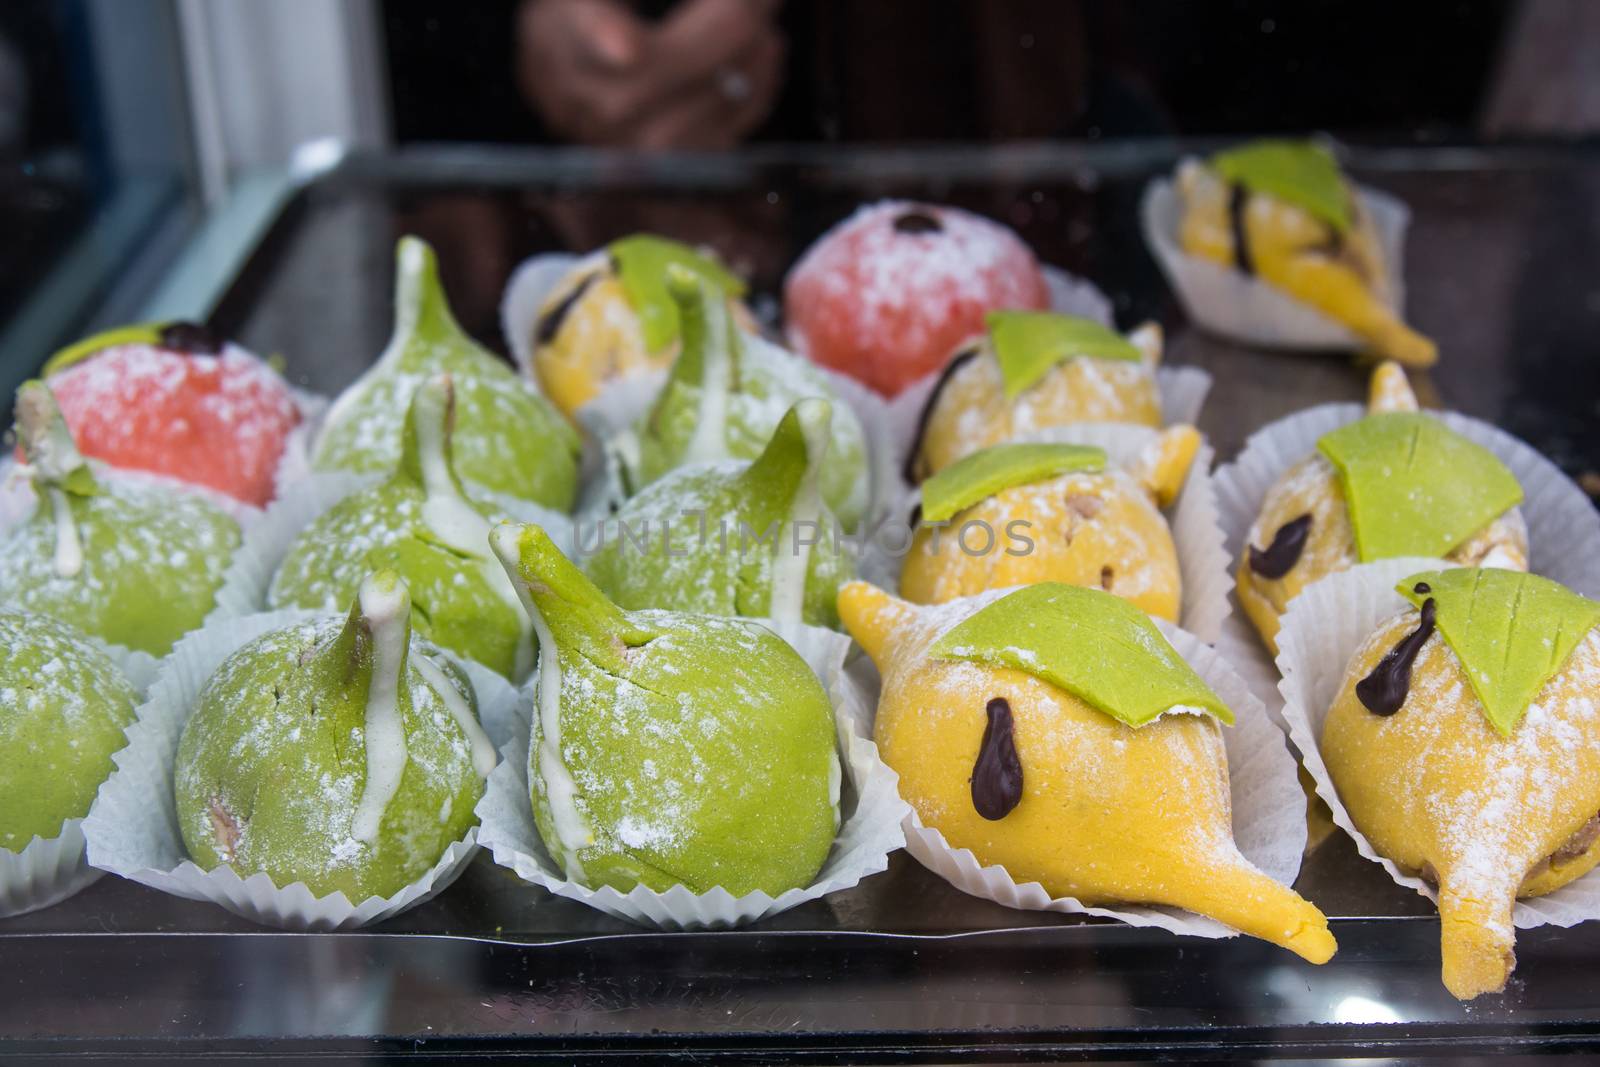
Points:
x=1422 y=589
x=550 y=322
x=913 y=472
x=1384 y=690
x=997 y=776
x=1279 y=557
x=1237 y=198
x=918 y=222
x=190 y=338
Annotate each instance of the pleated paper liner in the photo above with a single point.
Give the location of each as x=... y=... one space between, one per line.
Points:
x=1268 y=821
x=1563 y=526
x=1203 y=562
x=48 y=870
x=132 y=830
x=1322 y=629
x=870 y=807
x=1232 y=304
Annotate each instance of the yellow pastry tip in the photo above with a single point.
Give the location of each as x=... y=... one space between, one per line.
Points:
x=1314 y=944
x=1475 y=959
x=1389 y=389
x=1163 y=467
x=1150 y=340
x=871 y=616
x=1411 y=348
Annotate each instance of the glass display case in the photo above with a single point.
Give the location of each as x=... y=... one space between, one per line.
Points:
x=280 y=234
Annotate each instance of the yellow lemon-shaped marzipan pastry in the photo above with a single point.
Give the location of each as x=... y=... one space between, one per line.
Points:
x=1415 y=503
x=1030 y=371
x=1283 y=212
x=1464 y=742
x=1012 y=753
x=1017 y=514
x=611 y=317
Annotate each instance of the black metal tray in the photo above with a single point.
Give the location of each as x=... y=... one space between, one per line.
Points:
x=1502 y=265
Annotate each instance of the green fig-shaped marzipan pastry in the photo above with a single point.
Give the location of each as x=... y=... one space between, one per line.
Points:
x=342 y=752
x=420 y=524
x=731 y=538
x=129 y=561
x=726 y=395
x=670 y=748
x=63 y=707
x=510 y=439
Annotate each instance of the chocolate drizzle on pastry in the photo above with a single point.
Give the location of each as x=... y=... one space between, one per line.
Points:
x=550 y=322
x=961 y=359
x=918 y=222
x=1384 y=690
x=1238 y=197
x=997 y=775
x=1278 y=558
x=190 y=338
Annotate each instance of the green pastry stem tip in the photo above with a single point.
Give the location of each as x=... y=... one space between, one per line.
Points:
x=799 y=445
x=571 y=608
x=425 y=448
x=420 y=304
x=379 y=615
x=47 y=443
x=710 y=349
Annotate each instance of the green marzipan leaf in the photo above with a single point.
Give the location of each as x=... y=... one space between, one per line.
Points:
x=642 y=261
x=1301 y=173
x=1511 y=631
x=1027 y=344
x=1098 y=647
x=148 y=333
x=983 y=474
x=1414 y=487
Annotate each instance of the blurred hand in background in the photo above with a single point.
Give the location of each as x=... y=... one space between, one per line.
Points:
x=701 y=77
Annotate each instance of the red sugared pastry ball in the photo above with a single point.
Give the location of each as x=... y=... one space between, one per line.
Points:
x=889 y=293
x=175 y=400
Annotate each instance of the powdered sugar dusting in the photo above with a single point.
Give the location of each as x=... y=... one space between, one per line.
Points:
x=886 y=306
x=220 y=421
x=153 y=559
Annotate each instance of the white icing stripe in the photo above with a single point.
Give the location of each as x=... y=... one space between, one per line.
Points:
x=561 y=792
x=386 y=613
x=454 y=520
x=791 y=562
x=69 y=549
x=708 y=443
x=483 y=754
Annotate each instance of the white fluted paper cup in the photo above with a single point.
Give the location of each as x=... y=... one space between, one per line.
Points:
x=1203 y=561
x=1322 y=630
x=870 y=807
x=1269 y=823
x=1563 y=525
x=48 y=870
x=1232 y=304
x=132 y=830
x=267 y=542
x=295 y=463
